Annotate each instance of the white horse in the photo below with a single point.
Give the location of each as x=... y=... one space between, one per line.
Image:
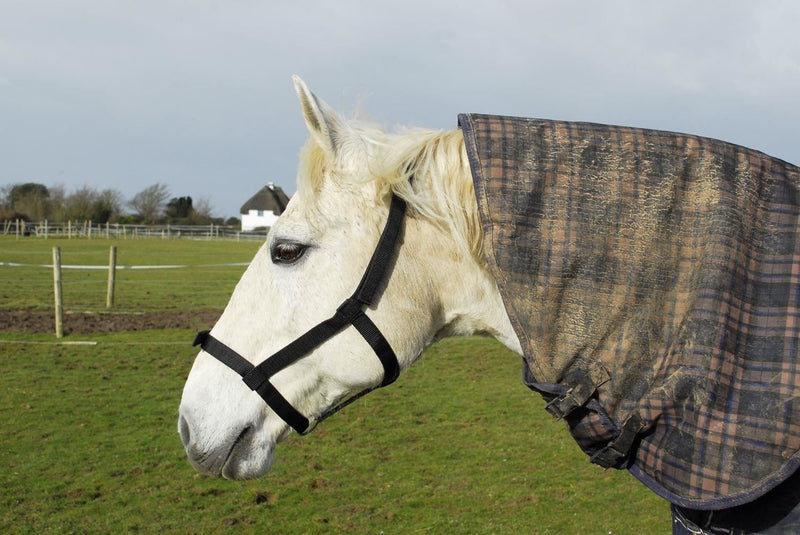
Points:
x=313 y=258
x=437 y=284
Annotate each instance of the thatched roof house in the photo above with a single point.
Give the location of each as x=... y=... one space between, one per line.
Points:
x=263 y=208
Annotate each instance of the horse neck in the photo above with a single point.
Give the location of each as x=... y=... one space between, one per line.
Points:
x=469 y=298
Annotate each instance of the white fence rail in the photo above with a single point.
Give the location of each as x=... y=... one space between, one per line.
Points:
x=89 y=230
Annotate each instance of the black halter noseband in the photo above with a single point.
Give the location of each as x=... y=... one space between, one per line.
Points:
x=350 y=312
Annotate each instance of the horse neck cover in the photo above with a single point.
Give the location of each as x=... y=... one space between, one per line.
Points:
x=653 y=280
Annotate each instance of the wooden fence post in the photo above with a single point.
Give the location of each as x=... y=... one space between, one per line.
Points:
x=57 y=291
x=112 y=275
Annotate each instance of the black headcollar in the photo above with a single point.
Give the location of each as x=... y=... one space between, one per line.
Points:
x=350 y=312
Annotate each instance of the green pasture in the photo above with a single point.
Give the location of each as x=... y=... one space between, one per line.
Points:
x=203 y=284
x=88 y=440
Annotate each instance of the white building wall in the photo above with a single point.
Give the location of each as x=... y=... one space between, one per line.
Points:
x=258 y=218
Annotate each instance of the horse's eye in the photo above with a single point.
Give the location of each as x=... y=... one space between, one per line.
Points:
x=287 y=252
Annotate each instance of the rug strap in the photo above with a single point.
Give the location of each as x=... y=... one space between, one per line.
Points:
x=579 y=393
x=618 y=450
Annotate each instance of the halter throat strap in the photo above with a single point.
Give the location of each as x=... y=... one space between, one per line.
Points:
x=350 y=312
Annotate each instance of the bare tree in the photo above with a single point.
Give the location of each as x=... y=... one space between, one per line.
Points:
x=88 y=204
x=80 y=203
x=149 y=203
x=5 y=202
x=58 y=203
x=203 y=209
x=108 y=206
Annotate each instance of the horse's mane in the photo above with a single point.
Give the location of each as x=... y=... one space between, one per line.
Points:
x=427 y=168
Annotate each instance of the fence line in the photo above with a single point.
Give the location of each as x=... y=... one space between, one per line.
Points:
x=58 y=284
x=92 y=343
x=105 y=266
x=89 y=230
x=200 y=278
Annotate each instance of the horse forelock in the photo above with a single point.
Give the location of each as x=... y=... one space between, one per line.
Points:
x=442 y=191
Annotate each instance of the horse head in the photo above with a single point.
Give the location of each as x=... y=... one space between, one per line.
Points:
x=313 y=259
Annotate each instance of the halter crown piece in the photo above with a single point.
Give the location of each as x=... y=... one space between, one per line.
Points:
x=350 y=312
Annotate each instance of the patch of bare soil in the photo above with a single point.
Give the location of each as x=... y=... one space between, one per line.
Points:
x=43 y=321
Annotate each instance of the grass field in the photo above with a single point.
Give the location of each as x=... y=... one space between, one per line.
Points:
x=202 y=284
x=458 y=445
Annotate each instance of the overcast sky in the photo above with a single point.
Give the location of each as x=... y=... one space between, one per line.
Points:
x=197 y=95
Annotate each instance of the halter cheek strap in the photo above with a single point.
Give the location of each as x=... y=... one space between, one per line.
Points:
x=350 y=312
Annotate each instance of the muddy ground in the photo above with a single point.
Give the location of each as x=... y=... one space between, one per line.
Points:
x=43 y=321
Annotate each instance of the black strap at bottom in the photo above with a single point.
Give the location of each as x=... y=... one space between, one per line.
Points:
x=243 y=367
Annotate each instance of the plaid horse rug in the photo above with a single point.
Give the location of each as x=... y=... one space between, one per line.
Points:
x=653 y=280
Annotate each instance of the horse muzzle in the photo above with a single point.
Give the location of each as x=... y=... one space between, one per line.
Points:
x=235 y=453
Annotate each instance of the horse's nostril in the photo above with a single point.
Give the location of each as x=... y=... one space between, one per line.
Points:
x=183 y=430
x=241 y=437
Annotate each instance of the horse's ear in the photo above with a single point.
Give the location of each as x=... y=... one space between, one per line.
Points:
x=325 y=125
